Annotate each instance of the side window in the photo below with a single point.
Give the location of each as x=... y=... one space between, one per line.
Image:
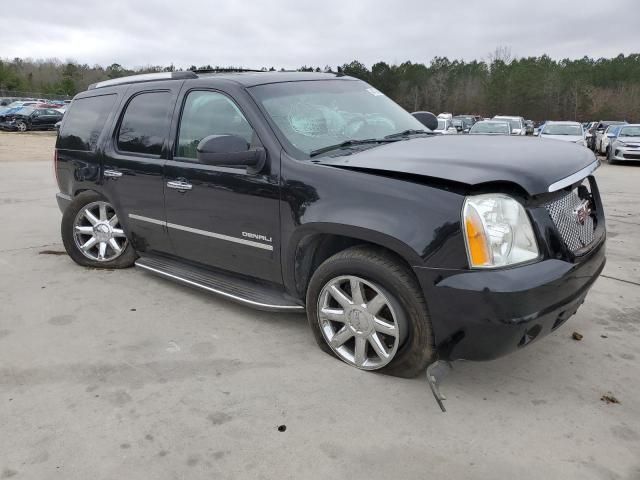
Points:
x=144 y=124
x=84 y=122
x=209 y=113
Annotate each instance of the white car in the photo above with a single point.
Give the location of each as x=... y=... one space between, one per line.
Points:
x=610 y=134
x=445 y=127
x=517 y=124
x=565 y=131
x=490 y=127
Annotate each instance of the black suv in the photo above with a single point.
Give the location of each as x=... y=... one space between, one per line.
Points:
x=307 y=191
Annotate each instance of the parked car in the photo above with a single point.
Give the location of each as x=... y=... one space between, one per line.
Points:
x=517 y=123
x=609 y=134
x=304 y=191
x=445 y=127
x=463 y=123
x=626 y=146
x=31 y=119
x=589 y=134
x=490 y=127
x=598 y=132
x=565 y=131
x=529 y=127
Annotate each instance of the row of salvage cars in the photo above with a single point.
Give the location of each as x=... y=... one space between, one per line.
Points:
x=21 y=116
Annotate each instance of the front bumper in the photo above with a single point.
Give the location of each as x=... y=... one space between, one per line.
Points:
x=485 y=314
x=621 y=154
x=9 y=126
x=63 y=201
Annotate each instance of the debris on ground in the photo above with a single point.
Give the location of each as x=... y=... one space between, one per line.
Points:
x=577 y=336
x=52 y=252
x=609 y=398
x=603 y=336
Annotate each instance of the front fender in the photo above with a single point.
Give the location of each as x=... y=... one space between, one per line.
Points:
x=418 y=221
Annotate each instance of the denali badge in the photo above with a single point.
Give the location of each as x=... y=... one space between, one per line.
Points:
x=582 y=212
x=256 y=236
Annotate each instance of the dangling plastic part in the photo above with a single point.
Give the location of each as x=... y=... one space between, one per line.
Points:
x=435 y=373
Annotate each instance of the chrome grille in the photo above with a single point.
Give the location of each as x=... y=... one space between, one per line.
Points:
x=563 y=213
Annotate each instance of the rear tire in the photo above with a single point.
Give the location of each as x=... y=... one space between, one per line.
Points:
x=92 y=234
x=380 y=273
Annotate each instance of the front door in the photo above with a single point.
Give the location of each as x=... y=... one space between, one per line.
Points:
x=217 y=216
x=133 y=162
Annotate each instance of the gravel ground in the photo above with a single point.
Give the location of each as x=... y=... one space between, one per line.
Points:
x=118 y=374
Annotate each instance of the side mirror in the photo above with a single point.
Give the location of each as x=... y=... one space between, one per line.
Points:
x=230 y=151
x=611 y=135
x=428 y=119
x=466 y=130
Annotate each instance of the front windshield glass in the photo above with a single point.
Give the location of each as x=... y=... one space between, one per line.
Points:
x=490 y=127
x=560 y=129
x=312 y=115
x=630 y=131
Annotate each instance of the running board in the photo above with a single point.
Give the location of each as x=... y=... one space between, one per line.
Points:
x=241 y=290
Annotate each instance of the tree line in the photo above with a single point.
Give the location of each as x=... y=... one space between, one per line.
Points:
x=538 y=88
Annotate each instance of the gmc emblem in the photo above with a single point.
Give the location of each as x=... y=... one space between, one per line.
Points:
x=582 y=212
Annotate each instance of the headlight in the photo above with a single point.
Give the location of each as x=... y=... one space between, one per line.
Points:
x=621 y=143
x=497 y=231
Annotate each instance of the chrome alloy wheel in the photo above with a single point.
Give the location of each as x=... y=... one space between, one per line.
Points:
x=22 y=127
x=98 y=233
x=359 y=323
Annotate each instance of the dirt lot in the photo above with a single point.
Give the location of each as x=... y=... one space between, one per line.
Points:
x=118 y=374
x=27 y=147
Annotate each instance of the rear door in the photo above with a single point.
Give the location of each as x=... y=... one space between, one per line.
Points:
x=133 y=161
x=226 y=217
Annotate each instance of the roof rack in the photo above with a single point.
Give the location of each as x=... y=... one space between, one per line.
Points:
x=145 y=77
x=227 y=70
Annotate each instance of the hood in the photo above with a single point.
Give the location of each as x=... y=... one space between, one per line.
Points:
x=633 y=140
x=474 y=159
x=564 y=138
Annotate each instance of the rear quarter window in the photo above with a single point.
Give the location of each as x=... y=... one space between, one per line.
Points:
x=84 y=122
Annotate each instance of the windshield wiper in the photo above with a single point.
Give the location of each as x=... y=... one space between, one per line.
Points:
x=349 y=143
x=406 y=133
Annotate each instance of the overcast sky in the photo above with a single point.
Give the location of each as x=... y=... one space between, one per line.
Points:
x=291 y=33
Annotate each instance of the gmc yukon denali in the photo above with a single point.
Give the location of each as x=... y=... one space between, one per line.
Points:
x=316 y=192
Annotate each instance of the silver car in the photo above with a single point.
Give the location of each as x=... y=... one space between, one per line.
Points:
x=517 y=123
x=626 y=146
x=565 y=131
x=490 y=127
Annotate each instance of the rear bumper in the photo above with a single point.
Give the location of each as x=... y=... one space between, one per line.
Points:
x=63 y=201
x=482 y=315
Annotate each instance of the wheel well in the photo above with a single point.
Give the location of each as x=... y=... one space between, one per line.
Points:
x=313 y=250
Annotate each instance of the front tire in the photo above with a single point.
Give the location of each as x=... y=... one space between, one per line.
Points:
x=365 y=307
x=92 y=234
x=22 y=127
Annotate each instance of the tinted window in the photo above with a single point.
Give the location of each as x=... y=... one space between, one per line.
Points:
x=84 y=122
x=209 y=113
x=144 y=125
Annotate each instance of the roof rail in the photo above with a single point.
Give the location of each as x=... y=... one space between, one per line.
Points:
x=145 y=77
x=226 y=70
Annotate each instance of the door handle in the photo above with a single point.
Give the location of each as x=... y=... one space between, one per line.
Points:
x=179 y=185
x=112 y=173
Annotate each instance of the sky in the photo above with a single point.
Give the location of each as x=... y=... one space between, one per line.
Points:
x=292 y=33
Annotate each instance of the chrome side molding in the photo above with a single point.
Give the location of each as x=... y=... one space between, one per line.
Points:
x=571 y=179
